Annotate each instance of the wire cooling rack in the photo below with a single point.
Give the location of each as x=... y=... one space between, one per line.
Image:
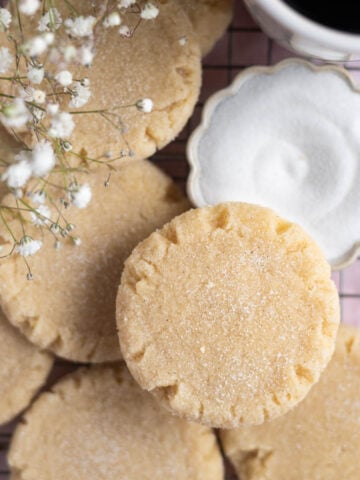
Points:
x=244 y=45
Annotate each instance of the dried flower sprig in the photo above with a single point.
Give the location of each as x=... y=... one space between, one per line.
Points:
x=39 y=99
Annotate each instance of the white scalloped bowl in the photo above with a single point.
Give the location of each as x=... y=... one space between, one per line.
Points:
x=286 y=137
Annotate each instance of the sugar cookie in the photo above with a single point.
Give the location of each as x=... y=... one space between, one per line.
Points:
x=228 y=314
x=23 y=370
x=97 y=424
x=210 y=19
x=69 y=307
x=319 y=439
x=154 y=63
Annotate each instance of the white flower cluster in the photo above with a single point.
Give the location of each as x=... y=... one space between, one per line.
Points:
x=5 y=19
x=28 y=246
x=149 y=11
x=80 y=195
x=6 y=59
x=29 y=7
x=41 y=99
x=15 y=114
x=51 y=20
x=37 y=163
x=80 y=27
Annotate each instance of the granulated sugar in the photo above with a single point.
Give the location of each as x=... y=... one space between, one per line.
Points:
x=289 y=141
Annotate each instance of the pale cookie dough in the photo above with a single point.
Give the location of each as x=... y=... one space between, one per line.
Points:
x=227 y=315
x=23 y=370
x=97 y=424
x=69 y=307
x=210 y=19
x=319 y=439
x=154 y=63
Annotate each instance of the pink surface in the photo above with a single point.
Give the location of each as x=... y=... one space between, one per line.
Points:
x=244 y=45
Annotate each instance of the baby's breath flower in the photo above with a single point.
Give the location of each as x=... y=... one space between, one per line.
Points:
x=80 y=95
x=5 y=19
x=39 y=197
x=35 y=74
x=41 y=216
x=85 y=82
x=55 y=228
x=35 y=46
x=64 y=77
x=112 y=20
x=145 y=105
x=182 y=41
x=80 y=195
x=37 y=113
x=43 y=159
x=27 y=246
x=149 y=11
x=18 y=193
x=126 y=3
x=23 y=155
x=125 y=31
x=52 y=108
x=69 y=53
x=15 y=114
x=27 y=93
x=66 y=146
x=39 y=96
x=85 y=55
x=17 y=174
x=50 y=21
x=80 y=26
x=76 y=241
x=6 y=59
x=62 y=125
x=29 y=7
x=49 y=37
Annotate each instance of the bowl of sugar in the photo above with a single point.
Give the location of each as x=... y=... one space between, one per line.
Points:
x=286 y=137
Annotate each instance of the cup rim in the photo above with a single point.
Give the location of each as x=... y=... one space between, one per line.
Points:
x=193 y=187
x=301 y=25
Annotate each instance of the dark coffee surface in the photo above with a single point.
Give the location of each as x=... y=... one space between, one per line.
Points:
x=343 y=15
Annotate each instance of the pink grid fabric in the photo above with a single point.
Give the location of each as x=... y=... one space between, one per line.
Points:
x=242 y=46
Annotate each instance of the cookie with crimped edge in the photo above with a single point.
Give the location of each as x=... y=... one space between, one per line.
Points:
x=23 y=370
x=69 y=306
x=319 y=439
x=228 y=314
x=154 y=63
x=210 y=19
x=97 y=424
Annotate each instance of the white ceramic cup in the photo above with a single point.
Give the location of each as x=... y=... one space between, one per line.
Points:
x=301 y=35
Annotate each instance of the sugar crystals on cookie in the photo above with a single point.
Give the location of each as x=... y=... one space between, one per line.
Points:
x=227 y=315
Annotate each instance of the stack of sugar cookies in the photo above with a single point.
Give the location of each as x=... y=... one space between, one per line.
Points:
x=225 y=316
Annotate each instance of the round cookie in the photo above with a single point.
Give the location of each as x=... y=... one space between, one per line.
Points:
x=319 y=439
x=210 y=19
x=23 y=370
x=227 y=315
x=69 y=306
x=97 y=424
x=154 y=64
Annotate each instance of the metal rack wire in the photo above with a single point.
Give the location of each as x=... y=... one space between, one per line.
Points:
x=243 y=45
